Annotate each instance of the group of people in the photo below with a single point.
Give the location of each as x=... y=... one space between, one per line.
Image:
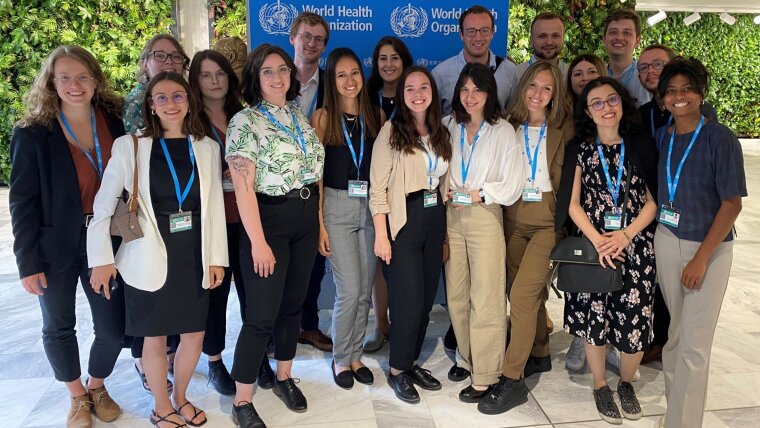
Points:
x=476 y=169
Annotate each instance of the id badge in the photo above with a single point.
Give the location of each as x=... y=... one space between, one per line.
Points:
x=227 y=185
x=357 y=189
x=430 y=199
x=462 y=198
x=613 y=220
x=531 y=194
x=308 y=176
x=180 y=222
x=670 y=216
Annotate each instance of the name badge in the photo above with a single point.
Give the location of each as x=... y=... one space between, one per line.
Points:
x=357 y=188
x=430 y=199
x=462 y=198
x=613 y=220
x=531 y=194
x=308 y=176
x=670 y=216
x=180 y=222
x=227 y=185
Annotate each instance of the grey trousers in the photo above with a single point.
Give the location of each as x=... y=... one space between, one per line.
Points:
x=693 y=318
x=352 y=240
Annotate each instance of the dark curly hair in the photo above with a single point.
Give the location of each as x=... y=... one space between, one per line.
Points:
x=691 y=68
x=251 y=80
x=585 y=128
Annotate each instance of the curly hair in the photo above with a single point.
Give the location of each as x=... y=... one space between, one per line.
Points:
x=42 y=101
x=191 y=125
x=585 y=127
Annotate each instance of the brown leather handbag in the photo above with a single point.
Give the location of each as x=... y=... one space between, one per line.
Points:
x=124 y=220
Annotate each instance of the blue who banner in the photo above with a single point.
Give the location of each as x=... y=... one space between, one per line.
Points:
x=429 y=28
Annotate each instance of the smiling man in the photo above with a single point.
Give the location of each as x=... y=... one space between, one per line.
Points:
x=622 y=34
x=547 y=39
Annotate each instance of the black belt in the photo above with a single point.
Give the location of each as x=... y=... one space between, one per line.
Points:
x=86 y=219
x=304 y=193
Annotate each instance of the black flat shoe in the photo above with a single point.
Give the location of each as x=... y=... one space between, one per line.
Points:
x=290 y=394
x=537 y=365
x=472 y=395
x=403 y=387
x=458 y=374
x=246 y=416
x=344 y=379
x=506 y=394
x=364 y=375
x=424 y=379
x=265 y=378
x=220 y=378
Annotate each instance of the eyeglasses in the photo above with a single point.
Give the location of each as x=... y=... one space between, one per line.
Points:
x=67 y=79
x=307 y=38
x=209 y=77
x=612 y=101
x=471 y=32
x=177 y=98
x=161 y=56
x=656 y=64
x=268 y=73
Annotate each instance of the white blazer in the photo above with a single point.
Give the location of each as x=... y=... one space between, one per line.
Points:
x=142 y=262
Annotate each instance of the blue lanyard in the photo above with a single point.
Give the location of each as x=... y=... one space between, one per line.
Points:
x=628 y=74
x=651 y=119
x=350 y=145
x=380 y=103
x=183 y=195
x=297 y=137
x=99 y=167
x=673 y=182
x=466 y=168
x=533 y=162
x=217 y=137
x=614 y=190
x=431 y=167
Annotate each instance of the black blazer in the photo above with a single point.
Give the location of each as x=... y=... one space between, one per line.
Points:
x=320 y=90
x=644 y=156
x=44 y=200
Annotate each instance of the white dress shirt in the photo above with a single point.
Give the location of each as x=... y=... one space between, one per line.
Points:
x=543 y=181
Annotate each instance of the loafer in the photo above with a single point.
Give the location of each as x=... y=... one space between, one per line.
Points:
x=246 y=416
x=316 y=339
x=103 y=405
x=403 y=387
x=424 y=379
x=472 y=395
x=344 y=379
x=364 y=375
x=505 y=395
x=220 y=378
x=375 y=342
x=290 y=394
x=265 y=378
x=458 y=374
x=537 y=365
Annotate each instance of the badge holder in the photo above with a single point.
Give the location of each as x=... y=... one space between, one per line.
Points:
x=613 y=220
x=308 y=176
x=358 y=189
x=430 y=198
x=532 y=194
x=669 y=215
x=180 y=221
x=462 y=198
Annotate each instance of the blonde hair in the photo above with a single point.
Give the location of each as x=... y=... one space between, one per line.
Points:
x=42 y=101
x=558 y=109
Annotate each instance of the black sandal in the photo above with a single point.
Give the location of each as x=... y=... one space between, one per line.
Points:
x=146 y=386
x=158 y=419
x=196 y=413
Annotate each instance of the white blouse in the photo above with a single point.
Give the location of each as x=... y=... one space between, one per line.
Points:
x=439 y=165
x=543 y=180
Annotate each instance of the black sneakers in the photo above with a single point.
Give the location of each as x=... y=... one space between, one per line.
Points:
x=605 y=405
x=505 y=395
x=629 y=404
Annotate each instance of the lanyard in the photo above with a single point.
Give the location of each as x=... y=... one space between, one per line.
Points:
x=673 y=182
x=651 y=119
x=380 y=103
x=350 y=144
x=628 y=74
x=466 y=168
x=217 y=137
x=531 y=61
x=533 y=162
x=297 y=137
x=431 y=166
x=183 y=195
x=614 y=191
x=99 y=167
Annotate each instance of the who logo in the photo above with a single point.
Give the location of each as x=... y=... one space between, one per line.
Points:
x=409 y=21
x=276 y=18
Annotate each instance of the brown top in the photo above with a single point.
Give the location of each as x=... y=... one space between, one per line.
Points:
x=88 y=179
x=231 y=213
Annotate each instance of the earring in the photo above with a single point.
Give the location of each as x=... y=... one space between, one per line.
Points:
x=153 y=111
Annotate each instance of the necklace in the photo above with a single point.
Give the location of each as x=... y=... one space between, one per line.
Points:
x=353 y=124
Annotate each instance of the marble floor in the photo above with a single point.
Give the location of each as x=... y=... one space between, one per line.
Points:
x=30 y=397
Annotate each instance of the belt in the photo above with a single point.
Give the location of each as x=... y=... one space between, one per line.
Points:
x=86 y=219
x=304 y=193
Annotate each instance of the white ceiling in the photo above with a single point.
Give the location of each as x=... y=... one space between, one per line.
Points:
x=731 y=6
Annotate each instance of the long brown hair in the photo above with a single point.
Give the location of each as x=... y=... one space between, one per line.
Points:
x=404 y=135
x=558 y=109
x=191 y=125
x=334 y=130
x=42 y=101
x=233 y=101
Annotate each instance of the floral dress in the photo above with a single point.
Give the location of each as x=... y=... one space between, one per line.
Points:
x=623 y=318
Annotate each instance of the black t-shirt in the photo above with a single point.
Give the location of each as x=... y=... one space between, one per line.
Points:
x=339 y=165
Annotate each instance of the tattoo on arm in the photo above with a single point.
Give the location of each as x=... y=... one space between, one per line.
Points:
x=242 y=166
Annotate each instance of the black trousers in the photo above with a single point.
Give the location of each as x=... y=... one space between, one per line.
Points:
x=310 y=315
x=58 y=304
x=413 y=276
x=273 y=304
x=216 y=323
x=660 y=320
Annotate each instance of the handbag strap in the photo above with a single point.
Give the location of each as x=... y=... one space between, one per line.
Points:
x=627 y=192
x=134 y=196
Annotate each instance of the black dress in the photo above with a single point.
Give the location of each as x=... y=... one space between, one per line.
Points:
x=181 y=305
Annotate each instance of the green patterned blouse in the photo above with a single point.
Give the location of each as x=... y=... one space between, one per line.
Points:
x=281 y=164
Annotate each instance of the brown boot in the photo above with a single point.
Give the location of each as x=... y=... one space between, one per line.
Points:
x=79 y=413
x=105 y=408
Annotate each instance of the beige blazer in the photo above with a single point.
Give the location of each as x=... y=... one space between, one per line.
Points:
x=142 y=262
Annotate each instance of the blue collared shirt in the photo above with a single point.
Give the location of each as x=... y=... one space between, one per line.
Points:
x=630 y=79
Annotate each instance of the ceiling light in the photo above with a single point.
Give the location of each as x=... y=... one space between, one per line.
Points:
x=694 y=17
x=657 y=17
x=728 y=19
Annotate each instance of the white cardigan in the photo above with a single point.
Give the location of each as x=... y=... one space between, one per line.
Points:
x=142 y=262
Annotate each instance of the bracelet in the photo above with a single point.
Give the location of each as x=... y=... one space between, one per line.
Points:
x=627 y=237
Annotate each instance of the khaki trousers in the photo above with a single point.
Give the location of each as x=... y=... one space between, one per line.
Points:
x=475 y=287
x=693 y=318
x=530 y=236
